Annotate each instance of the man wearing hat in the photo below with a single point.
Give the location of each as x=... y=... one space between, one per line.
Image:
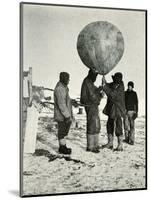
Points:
x=63 y=111
x=131 y=103
x=90 y=98
x=115 y=110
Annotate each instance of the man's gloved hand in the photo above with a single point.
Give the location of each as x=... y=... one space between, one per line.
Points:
x=74 y=103
x=68 y=120
x=100 y=88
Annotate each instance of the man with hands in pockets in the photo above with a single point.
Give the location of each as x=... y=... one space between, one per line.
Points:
x=63 y=111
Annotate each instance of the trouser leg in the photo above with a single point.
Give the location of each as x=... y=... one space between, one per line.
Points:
x=96 y=141
x=96 y=136
x=119 y=126
x=90 y=136
x=126 y=128
x=119 y=133
x=110 y=126
x=110 y=132
x=132 y=131
x=61 y=133
x=63 y=129
x=93 y=128
x=90 y=142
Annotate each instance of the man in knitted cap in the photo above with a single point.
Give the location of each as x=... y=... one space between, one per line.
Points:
x=63 y=111
x=114 y=109
x=90 y=98
x=131 y=103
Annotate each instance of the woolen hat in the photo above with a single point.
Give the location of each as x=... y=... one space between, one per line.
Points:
x=130 y=83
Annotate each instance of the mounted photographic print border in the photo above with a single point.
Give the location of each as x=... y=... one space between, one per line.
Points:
x=50 y=43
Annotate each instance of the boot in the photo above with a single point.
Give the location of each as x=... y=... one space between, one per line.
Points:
x=131 y=137
x=64 y=150
x=62 y=147
x=126 y=137
x=96 y=143
x=131 y=142
x=120 y=143
x=90 y=142
x=109 y=145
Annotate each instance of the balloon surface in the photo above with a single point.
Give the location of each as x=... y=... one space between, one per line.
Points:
x=100 y=46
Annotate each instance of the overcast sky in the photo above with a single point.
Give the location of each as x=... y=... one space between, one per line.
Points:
x=49 y=45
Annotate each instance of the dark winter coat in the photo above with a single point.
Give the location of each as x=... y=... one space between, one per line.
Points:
x=115 y=106
x=90 y=97
x=90 y=94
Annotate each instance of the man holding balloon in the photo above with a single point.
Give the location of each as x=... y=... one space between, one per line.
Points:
x=100 y=46
x=115 y=110
x=90 y=98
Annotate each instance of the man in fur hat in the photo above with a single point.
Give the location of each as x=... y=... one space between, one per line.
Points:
x=115 y=110
x=131 y=103
x=63 y=111
x=90 y=97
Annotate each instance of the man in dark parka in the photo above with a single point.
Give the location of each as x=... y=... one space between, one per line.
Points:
x=91 y=97
x=115 y=109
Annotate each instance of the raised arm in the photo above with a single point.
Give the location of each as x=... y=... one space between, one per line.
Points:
x=115 y=94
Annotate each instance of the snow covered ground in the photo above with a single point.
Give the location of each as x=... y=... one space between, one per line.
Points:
x=47 y=172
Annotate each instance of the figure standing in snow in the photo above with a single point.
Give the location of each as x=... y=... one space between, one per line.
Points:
x=114 y=109
x=131 y=103
x=63 y=111
x=90 y=97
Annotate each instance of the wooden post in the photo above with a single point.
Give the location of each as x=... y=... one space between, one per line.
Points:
x=25 y=99
x=32 y=118
x=31 y=130
x=30 y=84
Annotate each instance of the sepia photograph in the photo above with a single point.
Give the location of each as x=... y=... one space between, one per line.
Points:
x=83 y=99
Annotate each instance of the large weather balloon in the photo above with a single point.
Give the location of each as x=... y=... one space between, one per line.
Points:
x=100 y=46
